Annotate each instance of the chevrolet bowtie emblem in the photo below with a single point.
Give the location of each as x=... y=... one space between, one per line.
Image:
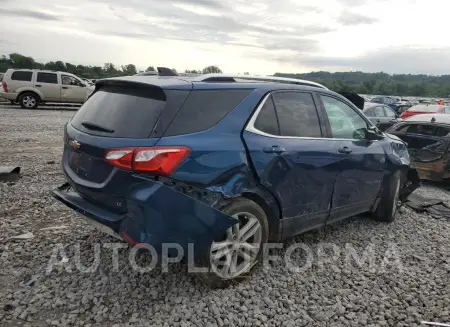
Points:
x=75 y=144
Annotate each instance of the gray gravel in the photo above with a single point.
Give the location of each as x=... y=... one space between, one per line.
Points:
x=384 y=294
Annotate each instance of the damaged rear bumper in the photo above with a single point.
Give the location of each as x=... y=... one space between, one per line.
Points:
x=156 y=214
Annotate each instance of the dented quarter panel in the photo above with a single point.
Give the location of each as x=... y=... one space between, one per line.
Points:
x=161 y=214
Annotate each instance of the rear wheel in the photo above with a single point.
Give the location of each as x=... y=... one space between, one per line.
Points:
x=29 y=101
x=236 y=253
x=389 y=201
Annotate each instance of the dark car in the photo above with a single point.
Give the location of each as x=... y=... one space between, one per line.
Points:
x=428 y=138
x=225 y=164
x=381 y=115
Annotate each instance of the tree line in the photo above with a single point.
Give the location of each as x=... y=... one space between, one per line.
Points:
x=357 y=82
x=16 y=60
x=380 y=83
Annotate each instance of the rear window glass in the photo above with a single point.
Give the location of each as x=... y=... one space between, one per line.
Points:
x=120 y=111
x=47 y=78
x=297 y=114
x=267 y=121
x=22 y=76
x=205 y=108
x=424 y=108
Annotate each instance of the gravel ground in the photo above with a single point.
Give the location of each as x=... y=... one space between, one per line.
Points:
x=408 y=279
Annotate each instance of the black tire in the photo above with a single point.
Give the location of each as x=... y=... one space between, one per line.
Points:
x=385 y=212
x=29 y=100
x=240 y=205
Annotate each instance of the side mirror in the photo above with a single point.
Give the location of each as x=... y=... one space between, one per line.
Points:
x=372 y=133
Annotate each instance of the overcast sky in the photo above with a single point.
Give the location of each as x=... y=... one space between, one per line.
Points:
x=261 y=37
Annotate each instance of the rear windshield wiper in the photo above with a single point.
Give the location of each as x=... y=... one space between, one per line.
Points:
x=93 y=126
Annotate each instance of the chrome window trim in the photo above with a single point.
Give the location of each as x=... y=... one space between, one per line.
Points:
x=252 y=129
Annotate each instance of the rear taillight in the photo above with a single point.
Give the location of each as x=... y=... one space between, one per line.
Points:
x=161 y=161
x=5 y=87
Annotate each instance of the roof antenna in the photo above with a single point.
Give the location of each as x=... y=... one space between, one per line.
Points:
x=433 y=119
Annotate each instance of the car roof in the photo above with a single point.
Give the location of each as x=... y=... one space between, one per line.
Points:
x=427 y=105
x=368 y=105
x=189 y=82
x=37 y=70
x=428 y=118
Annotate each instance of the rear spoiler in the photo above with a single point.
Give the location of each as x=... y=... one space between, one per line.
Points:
x=354 y=98
x=164 y=71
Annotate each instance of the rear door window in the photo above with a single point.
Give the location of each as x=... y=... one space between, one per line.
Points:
x=205 y=108
x=121 y=111
x=22 y=76
x=267 y=121
x=297 y=114
x=49 y=78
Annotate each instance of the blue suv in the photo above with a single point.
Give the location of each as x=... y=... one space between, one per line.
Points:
x=225 y=164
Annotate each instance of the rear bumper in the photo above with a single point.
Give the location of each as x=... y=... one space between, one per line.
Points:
x=8 y=96
x=73 y=200
x=156 y=214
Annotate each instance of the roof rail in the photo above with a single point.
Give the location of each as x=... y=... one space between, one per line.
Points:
x=236 y=78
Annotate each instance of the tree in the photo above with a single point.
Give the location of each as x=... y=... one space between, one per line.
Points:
x=20 y=61
x=129 y=69
x=150 y=69
x=212 y=70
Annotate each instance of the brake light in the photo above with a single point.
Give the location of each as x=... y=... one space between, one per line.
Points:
x=161 y=161
x=5 y=87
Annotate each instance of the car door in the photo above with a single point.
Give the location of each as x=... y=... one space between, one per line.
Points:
x=362 y=161
x=48 y=85
x=292 y=158
x=72 y=89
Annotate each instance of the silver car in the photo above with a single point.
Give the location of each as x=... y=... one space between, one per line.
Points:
x=29 y=87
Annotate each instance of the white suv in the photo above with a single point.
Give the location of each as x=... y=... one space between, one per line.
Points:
x=29 y=87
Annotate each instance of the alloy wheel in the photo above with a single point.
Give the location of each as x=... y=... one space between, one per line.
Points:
x=29 y=101
x=237 y=252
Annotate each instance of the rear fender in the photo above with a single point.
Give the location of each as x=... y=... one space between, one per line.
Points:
x=239 y=183
x=159 y=213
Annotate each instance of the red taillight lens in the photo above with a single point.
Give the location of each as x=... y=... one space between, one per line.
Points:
x=5 y=87
x=161 y=161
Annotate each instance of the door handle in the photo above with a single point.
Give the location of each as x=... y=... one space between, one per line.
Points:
x=38 y=85
x=64 y=87
x=274 y=149
x=345 y=150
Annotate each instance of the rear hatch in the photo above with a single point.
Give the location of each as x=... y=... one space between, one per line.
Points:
x=119 y=114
